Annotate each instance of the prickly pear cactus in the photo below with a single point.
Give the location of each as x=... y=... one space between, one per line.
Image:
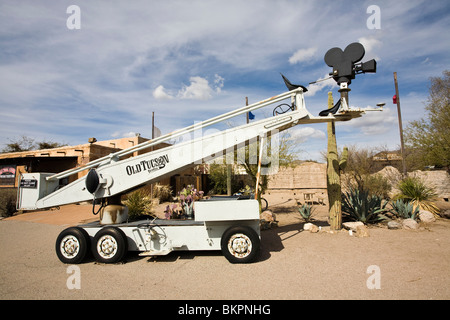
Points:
x=334 y=166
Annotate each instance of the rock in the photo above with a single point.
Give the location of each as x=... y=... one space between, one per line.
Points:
x=394 y=225
x=314 y=229
x=311 y=227
x=268 y=216
x=307 y=226
x=445 y=214
x=362 y=231
x=268 y=220
x=426 y=216
x=410 y=224
x=264 y=225
x=352 y=225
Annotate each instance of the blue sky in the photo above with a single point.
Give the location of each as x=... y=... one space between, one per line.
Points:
x=190 y=60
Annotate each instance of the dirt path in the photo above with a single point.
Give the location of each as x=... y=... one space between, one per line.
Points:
x=294 y=264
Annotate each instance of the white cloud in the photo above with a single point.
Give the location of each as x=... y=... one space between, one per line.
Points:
x=321 y=83
x=371 y=45
x=302 y=55
x=218 y=82
x=374 y=123
x=301 y=134
x=198 y=89
x=161 y=94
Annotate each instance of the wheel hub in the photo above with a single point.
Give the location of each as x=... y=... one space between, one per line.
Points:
x=70 y=246
x=107 y=246
x=240 y=245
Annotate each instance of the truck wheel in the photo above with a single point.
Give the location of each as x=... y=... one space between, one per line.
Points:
x=72 y=245
x=109 y=245
x=240 y=244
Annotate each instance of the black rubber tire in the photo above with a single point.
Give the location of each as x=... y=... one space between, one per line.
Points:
x=264 y=204
x=110 y=245
x=72 y=245
x=250 y=244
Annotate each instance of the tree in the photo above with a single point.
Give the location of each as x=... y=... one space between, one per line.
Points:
x=25 y=143
x=22 y=144
x=429 y=137
x=218 y=177
x=285 y=154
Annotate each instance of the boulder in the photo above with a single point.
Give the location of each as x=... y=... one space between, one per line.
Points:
x=311 y=227
x=352 y=225
x=268 y=220
x=268 y=216
x=394 y=225
x=426 y=216
x=314 y=229
x=362 y=231
x=307 y=226
x=410 y=224
x=445 y=214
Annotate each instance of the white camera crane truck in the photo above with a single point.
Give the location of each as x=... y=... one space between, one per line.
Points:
x=227 y=224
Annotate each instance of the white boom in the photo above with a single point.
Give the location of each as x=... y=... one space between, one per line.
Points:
x=113 y=176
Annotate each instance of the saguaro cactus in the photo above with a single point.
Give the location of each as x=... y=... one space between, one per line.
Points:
x=334 y=166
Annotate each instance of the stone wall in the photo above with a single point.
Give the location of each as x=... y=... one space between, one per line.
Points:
x=308 y=178
x=437 y=179
x=311 y=177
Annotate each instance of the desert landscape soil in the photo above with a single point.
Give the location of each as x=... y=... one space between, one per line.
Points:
x=293 y=264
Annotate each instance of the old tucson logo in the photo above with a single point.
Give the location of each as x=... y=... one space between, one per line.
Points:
x=148 y=165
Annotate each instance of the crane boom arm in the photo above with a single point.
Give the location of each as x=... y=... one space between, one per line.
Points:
x=111 y=176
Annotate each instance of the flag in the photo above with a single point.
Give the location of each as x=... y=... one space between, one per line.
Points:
x=251 y=116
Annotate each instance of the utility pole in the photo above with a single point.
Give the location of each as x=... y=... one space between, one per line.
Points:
x=400 y=125
x=153 y=124
x=153 y=137
x=246 y=103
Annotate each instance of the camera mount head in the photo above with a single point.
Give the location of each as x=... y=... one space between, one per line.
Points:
x=345 y=63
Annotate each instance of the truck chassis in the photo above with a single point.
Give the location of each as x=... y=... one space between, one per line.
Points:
x=231 y=226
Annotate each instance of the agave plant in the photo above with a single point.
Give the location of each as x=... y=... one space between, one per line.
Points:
x=418 y=194
x=305 y=211
x=361 y=206
x=404 y=210
x=139 y=203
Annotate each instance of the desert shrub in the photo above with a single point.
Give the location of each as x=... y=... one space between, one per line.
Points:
x=7 y=202
x=306 y=211
x=218 y=177
x=139 y=203
x=378 y=185
x=162 y=192
x=414 y=190
x=405 y=210
x=361 y=206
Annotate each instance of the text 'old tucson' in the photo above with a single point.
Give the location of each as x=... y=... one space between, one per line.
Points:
x=148 y=165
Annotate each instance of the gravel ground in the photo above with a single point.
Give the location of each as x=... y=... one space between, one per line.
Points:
x=294 y=264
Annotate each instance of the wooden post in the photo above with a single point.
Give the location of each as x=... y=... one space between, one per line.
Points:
x=402 y=146
x=229 y=169
x=258 y=175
